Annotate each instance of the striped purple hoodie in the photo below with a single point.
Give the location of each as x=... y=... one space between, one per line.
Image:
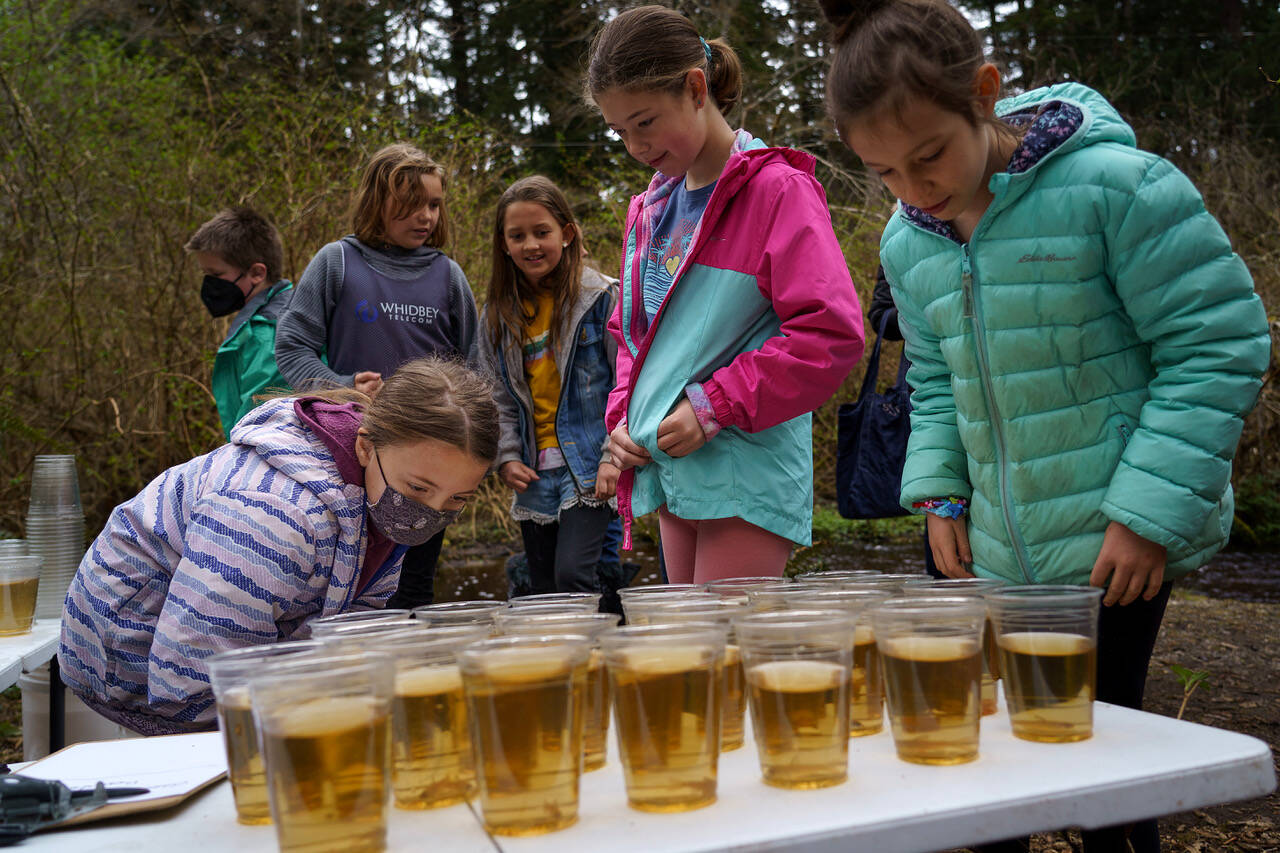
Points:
x=235 y=548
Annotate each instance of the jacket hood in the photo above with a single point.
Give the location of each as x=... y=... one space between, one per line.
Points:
x=393 y=260
x=1101 y=122
x=276 y=434
x=749 y=155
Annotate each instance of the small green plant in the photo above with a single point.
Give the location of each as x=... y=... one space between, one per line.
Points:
x=1190 y=679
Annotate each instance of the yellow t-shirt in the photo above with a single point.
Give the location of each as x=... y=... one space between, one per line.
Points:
x=541 y=373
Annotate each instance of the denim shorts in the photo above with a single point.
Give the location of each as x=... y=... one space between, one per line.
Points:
x=553 y=491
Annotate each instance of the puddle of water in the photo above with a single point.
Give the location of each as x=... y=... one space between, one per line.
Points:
x=481 y=573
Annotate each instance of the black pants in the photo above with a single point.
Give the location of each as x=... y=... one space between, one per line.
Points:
x=418 y=574
x=563 y=554
x=1126 y=639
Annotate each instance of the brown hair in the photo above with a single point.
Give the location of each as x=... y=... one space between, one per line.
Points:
x=395 y=173
x=652 y=48
x=887 y=51
x=429 y=398
x=242 y=237
x=509 y=290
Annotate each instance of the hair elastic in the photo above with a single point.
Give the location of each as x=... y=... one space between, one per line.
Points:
x=706 y=48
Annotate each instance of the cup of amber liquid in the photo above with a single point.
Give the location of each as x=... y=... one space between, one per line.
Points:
x=526 y=699
x=866 y=679
x=666 y=689
x=19 y=586
x=325 y=723
x=229 y=675
x=535 y=621
x=733 y=694
x=1048 y=640
x=976 y=587
x=931 y=650
x=325 y=625
x=798 y=665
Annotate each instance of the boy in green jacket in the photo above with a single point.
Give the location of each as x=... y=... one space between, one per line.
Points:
x=240 y=254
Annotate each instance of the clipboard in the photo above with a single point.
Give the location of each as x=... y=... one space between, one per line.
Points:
x=173 y=767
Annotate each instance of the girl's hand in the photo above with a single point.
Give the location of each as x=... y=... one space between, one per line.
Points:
x=625 y=452
x=949 y=541
x=368 y=382
x=1137 y=564
x=606 y=481
x=517 y=475
x=680 y=434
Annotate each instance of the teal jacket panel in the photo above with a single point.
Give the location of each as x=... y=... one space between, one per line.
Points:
x=245 y=365
x=1087 y=357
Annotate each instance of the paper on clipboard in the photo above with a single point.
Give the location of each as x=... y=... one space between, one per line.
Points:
x=173 y=767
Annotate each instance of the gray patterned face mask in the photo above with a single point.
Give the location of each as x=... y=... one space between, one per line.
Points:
x=405 y=521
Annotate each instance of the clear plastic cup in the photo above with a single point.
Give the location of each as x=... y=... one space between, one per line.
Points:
x=325 y=724
x=54 y=484
x=666 y=683
x=990 y=654
x=13 y=548
x=633 y=606
x=737 y=587
x=19 y=588
x=1048 y=639
x=798 y=665
x=588 y=601
x=836 y=576
x=775 y=596
x=733 y=697
x=525 y=699
x=658 y=589
x=431 y=757
x=527 y=621
x=229 y=676
x=892 y=581
x=866 y=681
x=931 y=650
x=459 y=612
x=326 y=624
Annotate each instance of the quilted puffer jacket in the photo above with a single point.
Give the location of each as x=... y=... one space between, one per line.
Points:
x=1087 y=357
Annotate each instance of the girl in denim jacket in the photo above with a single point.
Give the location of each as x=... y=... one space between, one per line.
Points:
x=545 y=342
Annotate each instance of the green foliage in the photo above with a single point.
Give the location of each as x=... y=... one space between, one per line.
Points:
x=1190 y=679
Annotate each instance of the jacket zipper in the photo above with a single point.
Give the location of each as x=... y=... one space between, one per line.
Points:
x=993 y=412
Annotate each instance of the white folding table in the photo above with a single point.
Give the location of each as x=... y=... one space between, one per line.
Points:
x=27 y=652
x=1137 y=765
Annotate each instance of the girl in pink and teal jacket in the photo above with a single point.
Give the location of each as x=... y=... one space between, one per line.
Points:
x=736 y=318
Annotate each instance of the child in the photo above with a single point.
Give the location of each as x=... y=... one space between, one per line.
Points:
x=382 y=296
x=546 y=344
x=305 y=513
x=240 y=254
x=1084 y=343
x=737 y=316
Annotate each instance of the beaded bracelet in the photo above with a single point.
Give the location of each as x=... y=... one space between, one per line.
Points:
x=948 y=507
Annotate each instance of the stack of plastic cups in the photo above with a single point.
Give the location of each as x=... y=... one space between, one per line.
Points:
x=13 y=548
x=55 y=529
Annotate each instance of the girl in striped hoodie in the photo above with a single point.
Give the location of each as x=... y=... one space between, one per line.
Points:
x=306 y=513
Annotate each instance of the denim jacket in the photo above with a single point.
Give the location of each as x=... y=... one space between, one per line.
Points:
x=585 y=356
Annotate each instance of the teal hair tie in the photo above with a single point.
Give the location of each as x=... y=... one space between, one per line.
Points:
x=706 y=48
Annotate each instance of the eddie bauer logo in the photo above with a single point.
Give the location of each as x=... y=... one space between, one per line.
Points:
x=1050 y=258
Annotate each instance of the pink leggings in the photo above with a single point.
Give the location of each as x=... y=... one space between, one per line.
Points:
x=718 y=548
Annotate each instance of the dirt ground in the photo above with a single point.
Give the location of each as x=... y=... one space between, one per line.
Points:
x=1238 y=644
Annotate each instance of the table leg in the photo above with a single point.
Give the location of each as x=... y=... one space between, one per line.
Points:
x=57 y=708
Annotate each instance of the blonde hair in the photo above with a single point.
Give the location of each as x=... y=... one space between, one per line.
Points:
x=429 y=398
x=395 y=174
x=652 y=48
x=509 y=290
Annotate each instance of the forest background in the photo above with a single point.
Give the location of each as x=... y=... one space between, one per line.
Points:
x=124 y=124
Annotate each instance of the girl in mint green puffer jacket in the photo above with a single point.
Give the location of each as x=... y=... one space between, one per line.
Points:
x=1084 y=343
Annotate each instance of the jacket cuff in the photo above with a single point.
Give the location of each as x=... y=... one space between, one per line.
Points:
x=720 y=407
x=702 y=409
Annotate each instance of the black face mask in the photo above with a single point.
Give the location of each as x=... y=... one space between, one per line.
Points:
x=220 y=296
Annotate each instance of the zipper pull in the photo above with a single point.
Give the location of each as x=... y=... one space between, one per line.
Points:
x=967 y=281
